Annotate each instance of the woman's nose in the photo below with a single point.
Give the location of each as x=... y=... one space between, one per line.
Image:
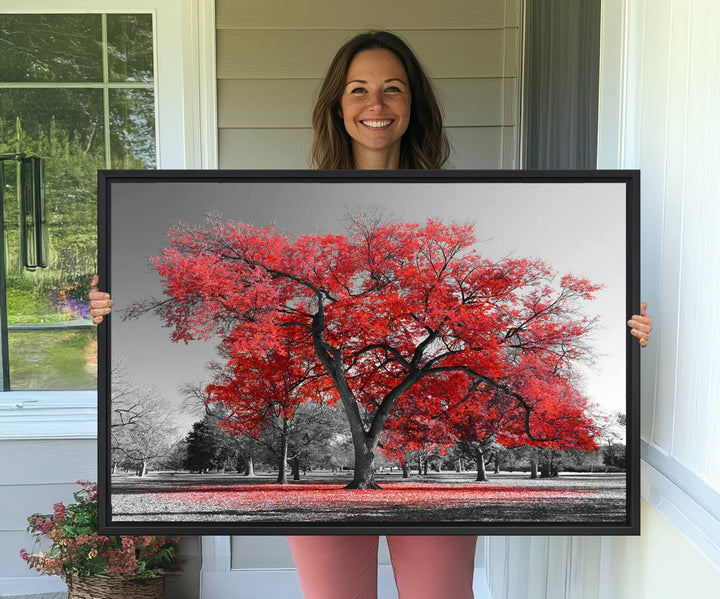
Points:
x=376 y=100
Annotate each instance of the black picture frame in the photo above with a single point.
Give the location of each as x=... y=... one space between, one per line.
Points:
x=134 y=202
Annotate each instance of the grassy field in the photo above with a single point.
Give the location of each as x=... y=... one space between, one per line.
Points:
x=507 y=497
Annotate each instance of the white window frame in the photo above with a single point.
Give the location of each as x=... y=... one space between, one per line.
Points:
x=186 y=130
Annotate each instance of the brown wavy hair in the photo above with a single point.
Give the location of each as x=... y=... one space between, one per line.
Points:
x=423 y=146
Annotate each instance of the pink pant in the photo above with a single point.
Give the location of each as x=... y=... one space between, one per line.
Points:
x=336 y=567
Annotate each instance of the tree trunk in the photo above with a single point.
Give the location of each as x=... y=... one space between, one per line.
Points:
x=142 y=469
x=250 y=468
x=419 y=465
x=425 y=467
x=497 y=464
x=546 y=469
x=282 y=462
x=364 y=441
x=480 y=458
x=533 y=464
x=296 y=468
x=406 y=470
x=364 y=477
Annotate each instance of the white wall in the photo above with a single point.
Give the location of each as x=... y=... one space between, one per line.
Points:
x=660 y=85
x=672 y=133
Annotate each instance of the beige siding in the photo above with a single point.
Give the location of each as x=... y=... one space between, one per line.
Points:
x=271 y=58
x=334 y=14
x=287 y=103
x=300 y=54
x=471 y=147
x=475 y=147
x=280 y=148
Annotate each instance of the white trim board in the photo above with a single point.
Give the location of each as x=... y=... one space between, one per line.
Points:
x=693 y=486
x=48 y=415
x=692 y=508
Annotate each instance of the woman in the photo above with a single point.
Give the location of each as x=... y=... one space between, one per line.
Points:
x=377 y=110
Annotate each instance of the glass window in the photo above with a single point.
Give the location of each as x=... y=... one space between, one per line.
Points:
x=130 y=56
x=132 y=128
x=78 y=91
x=37 y=48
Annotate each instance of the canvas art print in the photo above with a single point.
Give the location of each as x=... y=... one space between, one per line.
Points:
x=311 y=352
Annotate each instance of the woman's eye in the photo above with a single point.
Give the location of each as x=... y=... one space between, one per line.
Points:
x=393 y=89
x=357 y=90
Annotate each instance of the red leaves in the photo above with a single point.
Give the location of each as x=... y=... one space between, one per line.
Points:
x=323 y=497
x=258 y=384
x=404 y=320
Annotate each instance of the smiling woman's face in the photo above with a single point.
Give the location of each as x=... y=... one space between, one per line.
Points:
x=375 y=108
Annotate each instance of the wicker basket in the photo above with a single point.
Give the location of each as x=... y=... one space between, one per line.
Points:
x=116 y=587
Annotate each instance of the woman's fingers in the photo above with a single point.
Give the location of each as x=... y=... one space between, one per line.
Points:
x=100 y=302
x=642 y=337
x=641 y=325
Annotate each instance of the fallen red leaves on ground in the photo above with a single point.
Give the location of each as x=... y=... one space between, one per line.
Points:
x=269 y=496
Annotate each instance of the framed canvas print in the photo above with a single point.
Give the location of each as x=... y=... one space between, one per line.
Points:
x=309 y=352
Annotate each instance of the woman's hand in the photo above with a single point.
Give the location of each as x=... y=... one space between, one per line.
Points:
x=100 y=302
x=641 y=325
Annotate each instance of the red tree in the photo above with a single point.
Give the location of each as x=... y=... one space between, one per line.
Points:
x=387 y=311
x=261 y=388
x=460 y=409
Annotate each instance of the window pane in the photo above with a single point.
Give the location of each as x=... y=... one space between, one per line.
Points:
x=65 y=127
x=132 y=128
x=54 y=359
x=75 y=117
x=50 y=48
x=130 y=47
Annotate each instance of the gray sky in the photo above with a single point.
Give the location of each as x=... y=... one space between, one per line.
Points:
x=577 y=228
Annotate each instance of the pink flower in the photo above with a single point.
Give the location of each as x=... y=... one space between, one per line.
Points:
x=72 y=554
x=128 y=542
x=43 y=526
x=121 y=562
x=148 y=540
x=53 y=565
x=59 y=510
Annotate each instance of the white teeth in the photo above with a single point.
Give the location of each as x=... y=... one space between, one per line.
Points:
x=376 y=123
